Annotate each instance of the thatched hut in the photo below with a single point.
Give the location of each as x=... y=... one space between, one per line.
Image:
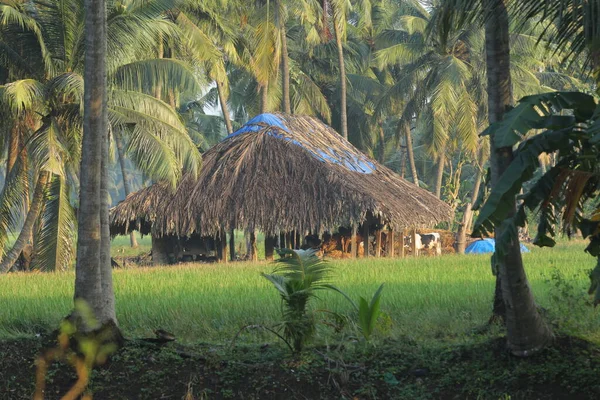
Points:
x=283 y=174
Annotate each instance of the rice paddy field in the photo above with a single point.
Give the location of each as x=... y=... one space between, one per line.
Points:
x=426 y=298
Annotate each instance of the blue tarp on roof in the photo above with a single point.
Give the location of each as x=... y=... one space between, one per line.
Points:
x=348 y=160
x=487 y=246
x=253 y=124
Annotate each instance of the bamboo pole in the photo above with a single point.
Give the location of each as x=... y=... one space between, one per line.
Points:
x=378 y=243
x=224 y=245
x=254 y=253
x=232 y=245
x=402 y=250
x=218 y=248
x=353 y=242
x=391 y=243
x=414 y=242
x=366 y=239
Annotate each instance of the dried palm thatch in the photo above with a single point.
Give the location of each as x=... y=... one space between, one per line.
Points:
x=281 y=173
x=139 y=210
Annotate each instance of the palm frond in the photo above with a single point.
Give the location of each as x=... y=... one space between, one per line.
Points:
x=54 y=248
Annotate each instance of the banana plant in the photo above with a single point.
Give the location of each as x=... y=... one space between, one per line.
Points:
x=570 y=125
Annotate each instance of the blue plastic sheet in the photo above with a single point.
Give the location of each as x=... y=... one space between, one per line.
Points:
x=485 y=246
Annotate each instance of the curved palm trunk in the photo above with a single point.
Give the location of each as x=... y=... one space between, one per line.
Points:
x=13 y=149
x=343 y=106
x=27 y=230
x=409 y=151
x=285 y=72
x=126 y=186
x=440 y=174
x=465 y=225
x=93 y=282
x=224 y=108
x=526 y=331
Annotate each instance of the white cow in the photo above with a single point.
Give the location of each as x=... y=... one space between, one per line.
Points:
x=431 y=240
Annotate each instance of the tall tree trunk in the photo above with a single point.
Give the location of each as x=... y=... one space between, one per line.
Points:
x=13 y=148
x=342 y=66
x=526 y=331
x=161 y=54
x=381 y=143
x=465 y=225
x=224 y=107
x=108 y=293
x=402 y=163
x=125 y=174
x=439 y=176
x=27 y=230
x=285 y=72
x=405 y=127
x=264 y=98
x=91 y=274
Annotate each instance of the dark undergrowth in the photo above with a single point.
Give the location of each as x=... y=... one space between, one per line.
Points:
x=388 y=370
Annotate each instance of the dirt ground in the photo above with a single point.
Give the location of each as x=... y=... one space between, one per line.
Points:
x=389 y=370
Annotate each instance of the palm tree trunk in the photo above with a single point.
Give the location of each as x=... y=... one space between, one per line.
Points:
x=108 y=294
x=440 y=174
x=27 y=230
x=285 y=72
x=526 y=331
x=381 y=144
x=91 y=274
x=409 y=150
x=465 y=225
x=126 y=187
x=224 y=108
x=13 y=149
x=343 y=106
x=264 y=97
x=161 y=54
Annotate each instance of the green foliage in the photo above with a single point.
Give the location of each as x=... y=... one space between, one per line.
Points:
x=299 y=275
x=368 y=312
x=571 y=124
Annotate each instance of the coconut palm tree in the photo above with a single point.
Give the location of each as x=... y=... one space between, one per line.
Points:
x=155 y=138
x=93 y=273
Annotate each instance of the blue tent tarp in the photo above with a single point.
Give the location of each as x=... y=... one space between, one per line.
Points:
x=487 y=246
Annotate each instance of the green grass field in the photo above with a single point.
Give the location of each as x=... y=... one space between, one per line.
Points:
x=427 y=298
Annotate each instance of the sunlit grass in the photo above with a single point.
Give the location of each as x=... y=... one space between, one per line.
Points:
x=426 y=298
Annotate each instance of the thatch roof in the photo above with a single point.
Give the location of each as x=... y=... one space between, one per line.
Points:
x=139 y=210
x=281 y=173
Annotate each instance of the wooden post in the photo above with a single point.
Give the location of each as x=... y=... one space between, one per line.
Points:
x=232 y=245
x=253 y=252
x=414 y=242
x=292 y=240
x=282 y=240
x=366 y=238
x=218 y=248
x=378 y=243
x=402 y=250
x=391 y=242
x=298 y=240
x=353 y=243
x=224 y=245
x=269 y=247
